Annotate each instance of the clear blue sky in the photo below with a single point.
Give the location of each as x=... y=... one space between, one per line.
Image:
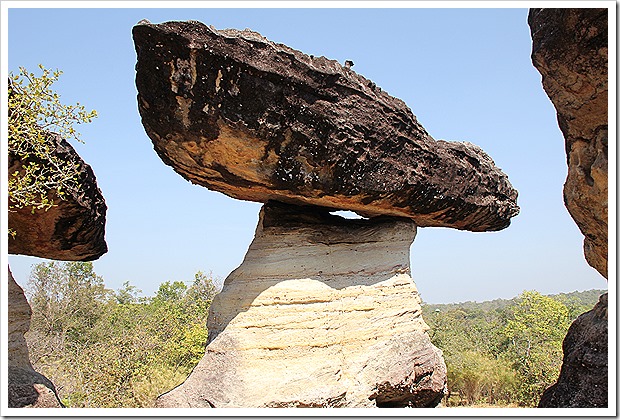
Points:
x=465 y=73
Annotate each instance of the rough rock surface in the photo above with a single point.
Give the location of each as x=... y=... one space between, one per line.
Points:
x=321 y=313
x=584 y=375
x=26 y=387
x=256 y=120
x=72 y=230
x=570 y=51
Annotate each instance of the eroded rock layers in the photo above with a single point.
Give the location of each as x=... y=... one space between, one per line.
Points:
x=259 y=121
x=570 y=51
x=74 y=228
x=583 y=380
x=321 y=313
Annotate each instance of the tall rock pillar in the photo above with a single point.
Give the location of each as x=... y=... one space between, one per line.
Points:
x=321 y=313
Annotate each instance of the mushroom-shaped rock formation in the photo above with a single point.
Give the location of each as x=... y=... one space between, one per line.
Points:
x=321 y=313
x=569 y=49
x=259 y=121
x=72 y=230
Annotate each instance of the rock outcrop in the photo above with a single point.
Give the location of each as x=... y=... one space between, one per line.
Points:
x=74 y=228
x=26 y=387
x=584 y=375
x=259 y=121
x=321 y=313
x=570 y=51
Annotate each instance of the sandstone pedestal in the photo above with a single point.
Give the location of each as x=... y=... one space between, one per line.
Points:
x=321 y=313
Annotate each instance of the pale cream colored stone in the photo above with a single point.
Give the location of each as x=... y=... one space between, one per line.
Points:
x=318 y=314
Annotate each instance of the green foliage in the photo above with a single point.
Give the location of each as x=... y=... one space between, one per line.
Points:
x=34 y=111
x=535 y=329
x=504 y=352
x=114 y=349
x=481 y=378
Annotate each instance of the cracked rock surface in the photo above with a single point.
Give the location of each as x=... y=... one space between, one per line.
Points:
x=321 y=313
x=259 y=121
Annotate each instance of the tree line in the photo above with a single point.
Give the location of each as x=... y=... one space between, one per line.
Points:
x=504 y=352
x=115 y=348
x=106 y=348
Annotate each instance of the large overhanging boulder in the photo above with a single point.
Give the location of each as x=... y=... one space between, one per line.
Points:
x=74 y=228
x=259 y=121
x=570 y=51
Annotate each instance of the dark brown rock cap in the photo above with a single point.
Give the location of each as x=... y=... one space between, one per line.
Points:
x=239 y=114
x=74 y=228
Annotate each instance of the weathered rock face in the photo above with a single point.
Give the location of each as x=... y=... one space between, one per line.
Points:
x=259 y=121
x=72 y=230
x=321 y=313
x=584 y=375
x=570 y=51
x=26 y=387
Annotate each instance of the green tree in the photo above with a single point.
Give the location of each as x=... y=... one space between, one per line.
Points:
x=172 y=292
x=535 y=330
x=478 y=378
x=66 y=298
x=127 y=294
x=113 y=349
x=35 y=111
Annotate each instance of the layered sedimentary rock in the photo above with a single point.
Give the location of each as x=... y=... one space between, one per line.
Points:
x=583 y=378
x=257 y=120
x=26 y=387
x=74 y=228
x=321 y=313
x=570 y=51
